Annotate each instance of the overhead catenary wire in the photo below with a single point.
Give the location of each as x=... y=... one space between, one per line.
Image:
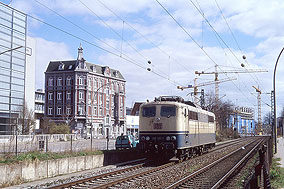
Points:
x=203 y=15
x=101 y=48
x=93 y=12
x=198 y=45
x=219 y=37
x=233 y=36
x=119 y=51
x=143 y=36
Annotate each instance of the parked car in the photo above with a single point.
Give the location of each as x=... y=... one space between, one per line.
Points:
x=126 y=141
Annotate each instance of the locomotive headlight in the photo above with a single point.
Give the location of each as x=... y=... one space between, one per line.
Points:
x=142 y=138
x=168 y=138
x=147 y=138
x=173 y=138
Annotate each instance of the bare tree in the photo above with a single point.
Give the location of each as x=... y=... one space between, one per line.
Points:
x=267 y=120
x=222 y=110
x=26 y=119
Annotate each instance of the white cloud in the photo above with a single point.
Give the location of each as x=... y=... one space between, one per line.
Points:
x=262 y=21
x=47 y=51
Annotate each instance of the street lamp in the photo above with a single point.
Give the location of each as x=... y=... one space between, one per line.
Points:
x=10 y=50
x=92 y=107
x=275 y=120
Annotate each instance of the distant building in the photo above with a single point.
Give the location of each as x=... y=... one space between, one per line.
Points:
x=132 y=125
x=12 y=70
x=128 y=110
x=242 y=120
x=30 y=74
x=39 y=107
x=85 y=95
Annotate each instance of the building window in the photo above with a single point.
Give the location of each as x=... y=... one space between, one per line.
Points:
x=59 y=81
x=121 y=101
x=59 y=110
x=80 y=95
x=95 y=84
x=95 y=97
x=107 y=91
x=90 y=82
x=121 y=112
x=68 y=81
x=101 y=85
x=50 y=81
x=49 y=111
x=107 y=119
x=68 y=111
x=59 y=96
x=68 y=95
x=101 y=99
x=80 y=80
x=95 y=110
x=89 y=96
x=80 y=110
x=61 y=66
x=101 y=111
x=50 y=94
x=107 y=104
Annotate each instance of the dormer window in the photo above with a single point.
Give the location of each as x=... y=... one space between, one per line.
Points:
x=61 y=66
x=93 y=68
x=70 y=67
x=115 y=73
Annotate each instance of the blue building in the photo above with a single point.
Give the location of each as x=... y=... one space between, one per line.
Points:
x=242 y=120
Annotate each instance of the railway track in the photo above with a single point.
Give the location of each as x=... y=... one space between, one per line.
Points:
x=217 y=173
x=124 y=178
x=112 y=178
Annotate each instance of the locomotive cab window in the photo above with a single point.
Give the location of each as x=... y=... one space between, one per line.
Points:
x=149 y=111
x=168 y=111
x=211 y=119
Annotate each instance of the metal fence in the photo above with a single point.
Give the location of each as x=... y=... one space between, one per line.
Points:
x=51 y=143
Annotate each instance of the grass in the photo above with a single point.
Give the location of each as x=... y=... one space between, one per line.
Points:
x=35 y=155
x=276 y=174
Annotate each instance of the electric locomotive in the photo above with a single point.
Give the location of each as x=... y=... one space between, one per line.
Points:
x=171 y=127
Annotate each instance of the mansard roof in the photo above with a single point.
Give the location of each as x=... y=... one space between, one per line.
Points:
x=70 y=65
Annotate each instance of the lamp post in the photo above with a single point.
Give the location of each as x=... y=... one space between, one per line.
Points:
x=10 y=50
x=275 y=116
x=92 y=107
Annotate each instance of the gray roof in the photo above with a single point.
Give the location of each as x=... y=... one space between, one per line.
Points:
x=70 y=65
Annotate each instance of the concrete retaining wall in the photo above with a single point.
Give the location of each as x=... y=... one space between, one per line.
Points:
x=35 y=170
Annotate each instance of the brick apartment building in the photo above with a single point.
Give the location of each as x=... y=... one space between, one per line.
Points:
x=85 y=95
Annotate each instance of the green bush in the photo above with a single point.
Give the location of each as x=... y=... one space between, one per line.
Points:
x=276 y=174
x=59 y=129
x=32 y=156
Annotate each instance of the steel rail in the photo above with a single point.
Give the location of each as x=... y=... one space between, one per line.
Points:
x=97 y=177
x=135 y=175
x=178 y=183
x=238 y=165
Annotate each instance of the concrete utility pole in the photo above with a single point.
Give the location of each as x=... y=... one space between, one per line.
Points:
x=259 y=124
x=216 y=73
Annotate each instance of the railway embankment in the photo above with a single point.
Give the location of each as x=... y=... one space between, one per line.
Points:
x=26 y=170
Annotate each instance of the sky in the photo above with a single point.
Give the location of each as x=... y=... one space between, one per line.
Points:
x=174 y=36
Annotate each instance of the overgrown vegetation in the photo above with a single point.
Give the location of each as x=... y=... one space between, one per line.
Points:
x=59 y=129
x=276 y=174
x=226 y=134
x=32 y=156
